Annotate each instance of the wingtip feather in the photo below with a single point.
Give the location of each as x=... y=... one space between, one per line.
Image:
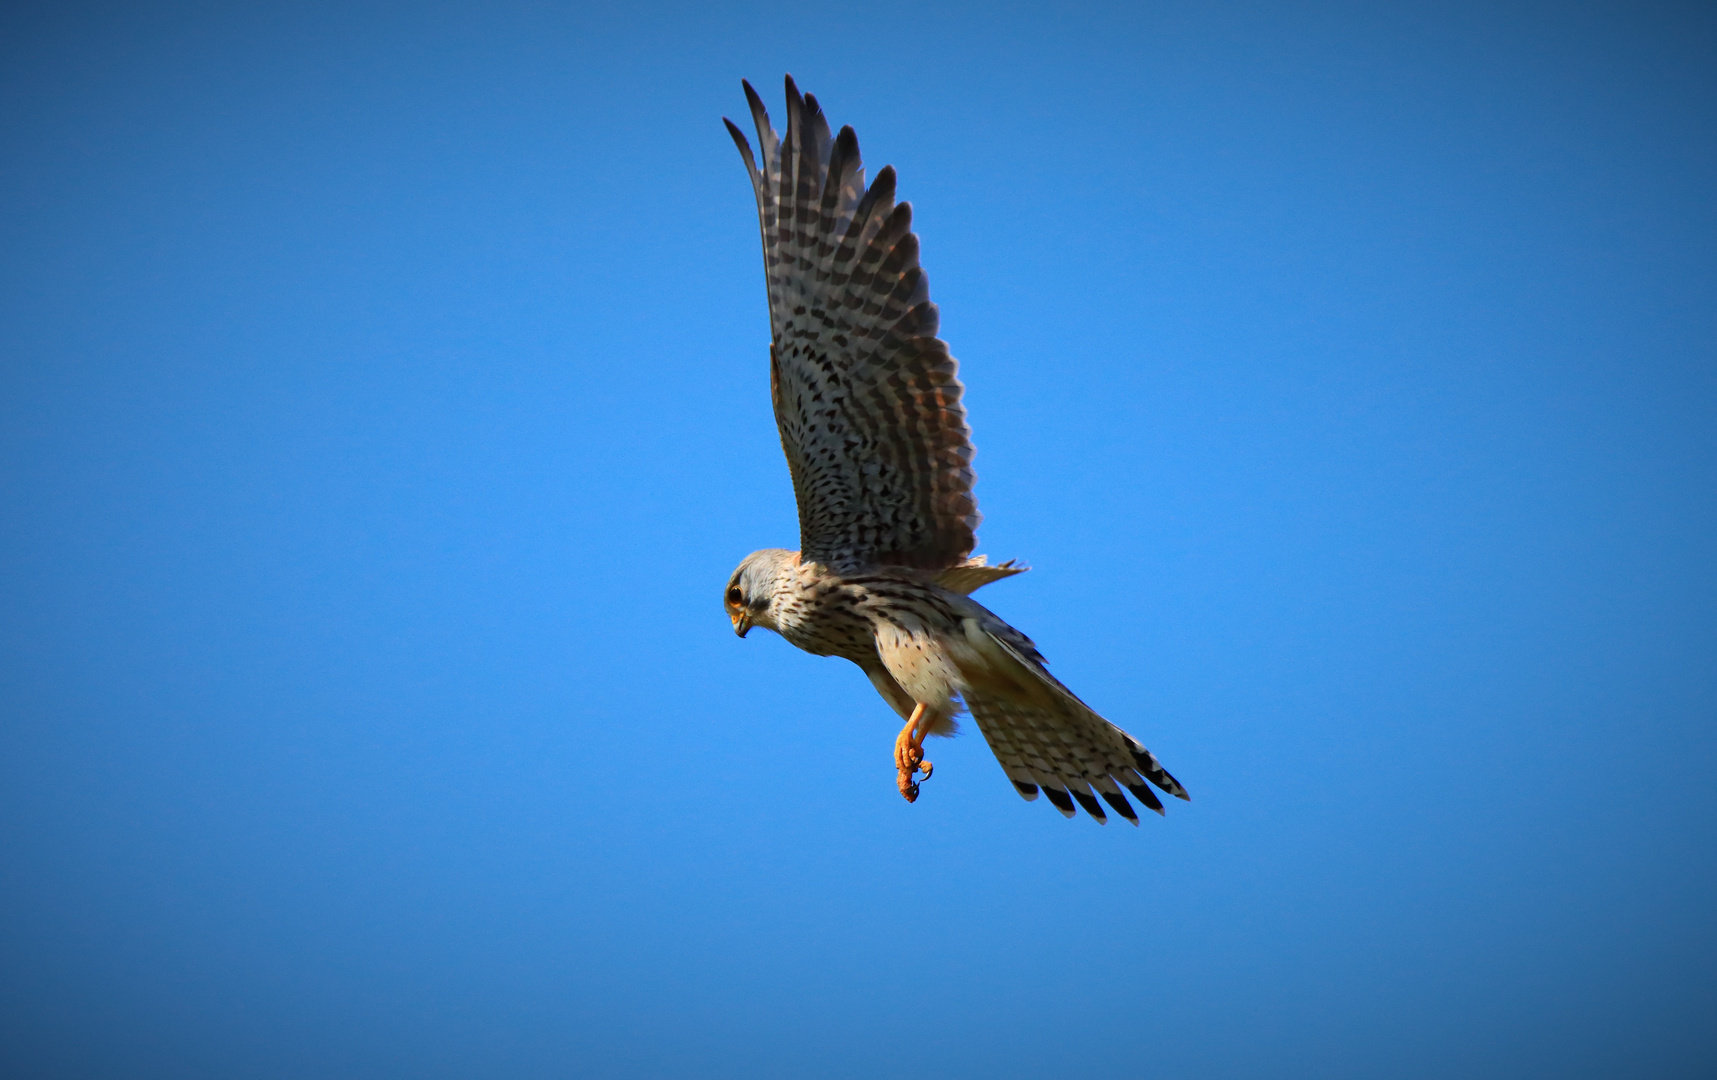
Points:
x=753 y=100
x=1063 y=802
x=1120 y=803
x=1092 y=807
x=1146 y=796
x=739 y=139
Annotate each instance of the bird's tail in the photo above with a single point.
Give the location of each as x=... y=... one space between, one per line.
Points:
x=976 y=572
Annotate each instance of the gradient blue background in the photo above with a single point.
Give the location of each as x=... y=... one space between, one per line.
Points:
x=384 y=406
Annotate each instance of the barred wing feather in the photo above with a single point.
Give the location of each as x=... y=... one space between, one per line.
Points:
x=867 y=398
x=1047 y=738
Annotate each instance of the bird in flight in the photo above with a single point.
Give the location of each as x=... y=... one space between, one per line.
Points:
x=867 y=400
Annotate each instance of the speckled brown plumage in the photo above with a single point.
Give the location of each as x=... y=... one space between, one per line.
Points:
x=868 y=403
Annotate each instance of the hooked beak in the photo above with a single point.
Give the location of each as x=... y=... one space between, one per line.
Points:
x=741 y=622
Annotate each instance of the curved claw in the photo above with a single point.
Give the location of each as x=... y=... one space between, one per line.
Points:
x=926 y=768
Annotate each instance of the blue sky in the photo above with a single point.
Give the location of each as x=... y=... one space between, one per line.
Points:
x=383 y=404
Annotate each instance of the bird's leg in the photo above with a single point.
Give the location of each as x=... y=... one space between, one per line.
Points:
x=904 y=758
x=909 y=751
x=925 y=722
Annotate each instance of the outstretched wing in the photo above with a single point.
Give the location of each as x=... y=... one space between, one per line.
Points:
x=1069 y=753
x=1045 y=737
x=866 y=395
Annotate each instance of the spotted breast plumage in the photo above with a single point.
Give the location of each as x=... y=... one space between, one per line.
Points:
x=868 y=402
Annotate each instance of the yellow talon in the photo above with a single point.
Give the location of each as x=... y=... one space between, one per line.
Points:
x=909 y=751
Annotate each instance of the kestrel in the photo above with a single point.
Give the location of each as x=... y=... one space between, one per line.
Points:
x=867 y=400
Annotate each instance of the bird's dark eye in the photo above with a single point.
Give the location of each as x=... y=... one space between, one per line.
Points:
x=735 y=598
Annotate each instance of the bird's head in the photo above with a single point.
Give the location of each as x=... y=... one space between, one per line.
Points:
x=751 y=589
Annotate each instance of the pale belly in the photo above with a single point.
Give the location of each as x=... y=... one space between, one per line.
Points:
x=874 y=619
